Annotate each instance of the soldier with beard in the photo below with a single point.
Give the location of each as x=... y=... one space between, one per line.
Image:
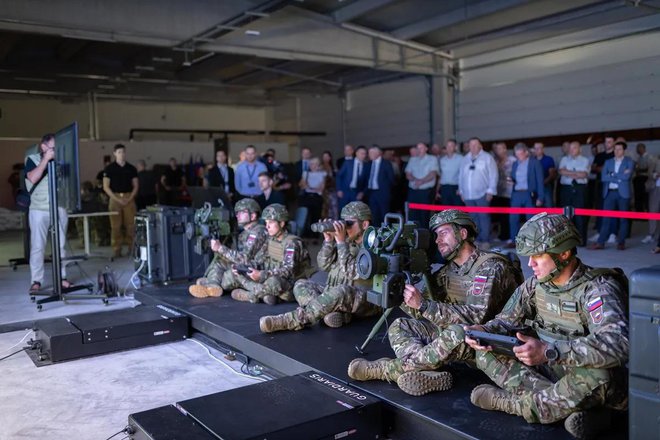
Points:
x=471 y=288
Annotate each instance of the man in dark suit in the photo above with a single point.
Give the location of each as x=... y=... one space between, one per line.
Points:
x=221 y=175
x=348 y=155
x=528 y=189
x=616 y=176
x=379 y=185
x=352 y=178
x=269 y=195
x=303 y=164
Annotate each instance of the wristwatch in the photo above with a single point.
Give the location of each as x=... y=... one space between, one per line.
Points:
x=423 y=306
x=551 y=353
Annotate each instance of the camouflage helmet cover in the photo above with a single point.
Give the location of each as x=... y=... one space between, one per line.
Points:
x=357 y=210
x=547 y=233
x=455 y=216
x=275 y=212
x=247 y=204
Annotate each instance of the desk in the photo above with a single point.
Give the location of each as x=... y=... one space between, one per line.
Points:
x=85 y=216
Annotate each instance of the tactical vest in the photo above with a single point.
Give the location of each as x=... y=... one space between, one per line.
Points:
x=458 y=286
x=276 y=250
x=559 y=314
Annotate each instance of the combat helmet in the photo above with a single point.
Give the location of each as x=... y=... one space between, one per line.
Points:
x=247 y=204
x=275 y=212
x=357 y=210
x=458 y=219
x=548 y=233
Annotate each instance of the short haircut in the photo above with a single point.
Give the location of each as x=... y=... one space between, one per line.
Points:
x=474 y=138
x=119 y=147
x=47 y=138
x=265 y=174
x=623 y=144
x=251 y=146
x=142 y=162
x=452 y=140
x=361 y=147
x=520 y=146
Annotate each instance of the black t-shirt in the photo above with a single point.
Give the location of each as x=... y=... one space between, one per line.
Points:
x=600 y=160
x=147 y=183
x=174 y=177
x=121 y=178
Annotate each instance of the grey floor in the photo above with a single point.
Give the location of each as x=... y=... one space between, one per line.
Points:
x=92 y=398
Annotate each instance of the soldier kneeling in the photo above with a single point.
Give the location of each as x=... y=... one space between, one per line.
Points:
x=344 y=294
x=286 y=261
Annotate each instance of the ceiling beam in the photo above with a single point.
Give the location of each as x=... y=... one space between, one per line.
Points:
x=357 y=9
x=293 y=74
x=470 y=12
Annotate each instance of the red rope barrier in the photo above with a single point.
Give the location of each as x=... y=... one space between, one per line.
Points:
x=531 y=211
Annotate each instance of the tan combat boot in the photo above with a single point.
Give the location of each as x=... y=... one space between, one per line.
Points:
x=243 y=295
x=337 y=319
x=588 y=424
x=198 y=290
x=491 y=398
x=214 y=290
x=418 y=383
x=276 y=323
x=381 y=369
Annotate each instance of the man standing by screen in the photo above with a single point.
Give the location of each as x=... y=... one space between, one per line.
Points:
x=36 y=181
x=120 y=183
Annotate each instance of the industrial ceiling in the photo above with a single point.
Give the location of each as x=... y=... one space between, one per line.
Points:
x=250 y=52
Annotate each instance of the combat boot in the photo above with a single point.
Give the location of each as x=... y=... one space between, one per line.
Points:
x=198 y=290
x=337 y=319
x=381 y=369
x=243 y=295
x=276 y=323
x=586 y=425
x=271 y=300
x=214 y=290
x=494 y=398
x=418 y=383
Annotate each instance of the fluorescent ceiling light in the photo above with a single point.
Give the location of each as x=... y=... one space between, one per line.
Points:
x=33 y=79
x=162 y=59
x=252 y=32
x=147 y=68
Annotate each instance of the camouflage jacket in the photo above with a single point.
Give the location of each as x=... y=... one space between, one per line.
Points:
x=339 y=260
x=600 y=305
x=286 y=258
x=251 y=247
x=487 y=283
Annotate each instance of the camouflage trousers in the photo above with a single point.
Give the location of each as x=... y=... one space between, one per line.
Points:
x=551 y=393
x=216 y=270
x=317 y=300
x=422 y=345
x=276 y=286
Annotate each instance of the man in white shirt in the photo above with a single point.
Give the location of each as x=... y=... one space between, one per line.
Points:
x=421 y=172
x=574 y=174
x=477 y=184
x=450 y=167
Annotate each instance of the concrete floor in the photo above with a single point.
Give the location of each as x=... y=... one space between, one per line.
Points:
x=92 y=398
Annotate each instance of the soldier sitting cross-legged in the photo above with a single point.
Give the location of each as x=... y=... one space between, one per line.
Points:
x=251 y=246
x=285 y=261
x=344 y=294
x=471 y=288
x=575 y=368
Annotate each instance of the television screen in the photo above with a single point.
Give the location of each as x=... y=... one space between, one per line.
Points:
x=68 y=171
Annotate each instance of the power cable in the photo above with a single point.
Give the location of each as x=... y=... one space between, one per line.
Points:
x=10 y=355
x=23 y=339
x=223 y=363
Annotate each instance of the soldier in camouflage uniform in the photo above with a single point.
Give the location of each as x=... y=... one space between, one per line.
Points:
x=344 y=293
x=576 y=366
x=471 y=288
x=251 y=246
x=286 y=260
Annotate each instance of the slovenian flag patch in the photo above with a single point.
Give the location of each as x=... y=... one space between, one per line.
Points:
x=594 y=304
x=478 y=284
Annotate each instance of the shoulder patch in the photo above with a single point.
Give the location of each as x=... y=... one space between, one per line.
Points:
x=478 y=284
x=594 y=304
x=251 y=238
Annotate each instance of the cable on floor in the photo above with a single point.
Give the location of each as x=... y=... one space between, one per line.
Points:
x=244 y=374
x=18 y=343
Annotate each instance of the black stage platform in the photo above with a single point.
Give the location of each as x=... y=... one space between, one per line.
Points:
x=447 y=415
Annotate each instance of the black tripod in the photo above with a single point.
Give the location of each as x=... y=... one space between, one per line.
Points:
x=60 y=293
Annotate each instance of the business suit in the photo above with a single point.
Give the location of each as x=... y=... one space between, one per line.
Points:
x=616 y=199
x=379 y=199
x=344 y=178
x=215 y=179
x=525 y=198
